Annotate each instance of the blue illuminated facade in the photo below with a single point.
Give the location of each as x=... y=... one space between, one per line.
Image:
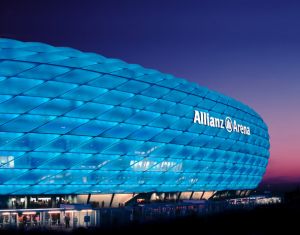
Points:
x=77 y=123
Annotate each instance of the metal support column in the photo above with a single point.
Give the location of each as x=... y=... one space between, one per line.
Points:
x=88 y=199
x=111 y=200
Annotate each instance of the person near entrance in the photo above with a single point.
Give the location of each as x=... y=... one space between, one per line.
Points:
x=67 y=221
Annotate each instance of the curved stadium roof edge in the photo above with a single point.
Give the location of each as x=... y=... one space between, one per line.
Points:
x=38 y=47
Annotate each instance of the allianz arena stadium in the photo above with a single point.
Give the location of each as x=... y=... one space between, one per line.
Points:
x=75 y=123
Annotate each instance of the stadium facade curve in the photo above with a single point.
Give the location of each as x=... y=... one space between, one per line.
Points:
x=80 y=123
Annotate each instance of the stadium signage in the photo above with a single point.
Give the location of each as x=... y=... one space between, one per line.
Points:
x=229 y=124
